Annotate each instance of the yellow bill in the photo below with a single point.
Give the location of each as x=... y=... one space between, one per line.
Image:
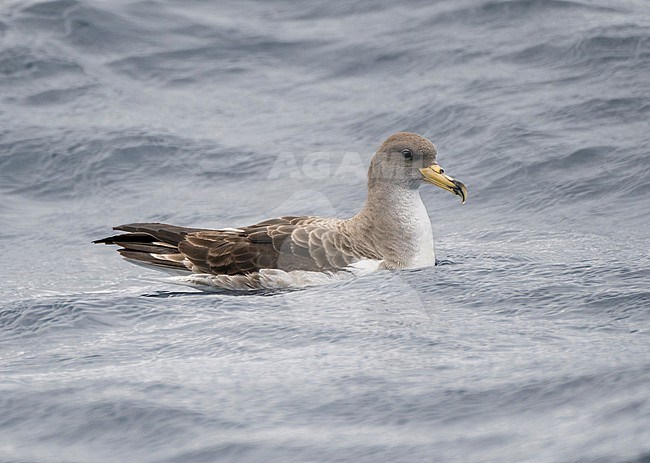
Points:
x=436 y=175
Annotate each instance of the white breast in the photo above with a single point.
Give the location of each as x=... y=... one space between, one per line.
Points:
x=423 y=253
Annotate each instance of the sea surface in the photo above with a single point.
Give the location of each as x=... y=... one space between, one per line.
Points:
x=528 y=342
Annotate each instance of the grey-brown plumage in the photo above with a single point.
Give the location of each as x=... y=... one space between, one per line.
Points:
x=393 y=229
x=287 y=243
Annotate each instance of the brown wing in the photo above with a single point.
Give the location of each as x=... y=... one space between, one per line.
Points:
x=287 y=243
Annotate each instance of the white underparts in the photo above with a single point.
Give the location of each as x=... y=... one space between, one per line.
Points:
x=277 y=279
x=425 y=255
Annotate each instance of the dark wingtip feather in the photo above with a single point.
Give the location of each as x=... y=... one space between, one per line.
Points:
x=126 y=237
x=149 y=259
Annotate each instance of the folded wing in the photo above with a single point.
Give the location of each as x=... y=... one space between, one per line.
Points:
x=286 y=243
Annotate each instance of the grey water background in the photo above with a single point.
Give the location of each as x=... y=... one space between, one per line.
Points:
x=529 y=342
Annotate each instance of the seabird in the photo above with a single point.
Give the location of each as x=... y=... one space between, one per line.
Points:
x=392 y=231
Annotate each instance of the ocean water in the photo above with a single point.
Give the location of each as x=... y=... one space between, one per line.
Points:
x=528 y=342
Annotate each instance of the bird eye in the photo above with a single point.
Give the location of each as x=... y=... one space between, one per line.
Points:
x=407 y=154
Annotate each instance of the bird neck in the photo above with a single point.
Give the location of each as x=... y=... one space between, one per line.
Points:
x=395 y=219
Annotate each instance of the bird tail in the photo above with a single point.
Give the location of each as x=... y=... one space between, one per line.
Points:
x=153 y=245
